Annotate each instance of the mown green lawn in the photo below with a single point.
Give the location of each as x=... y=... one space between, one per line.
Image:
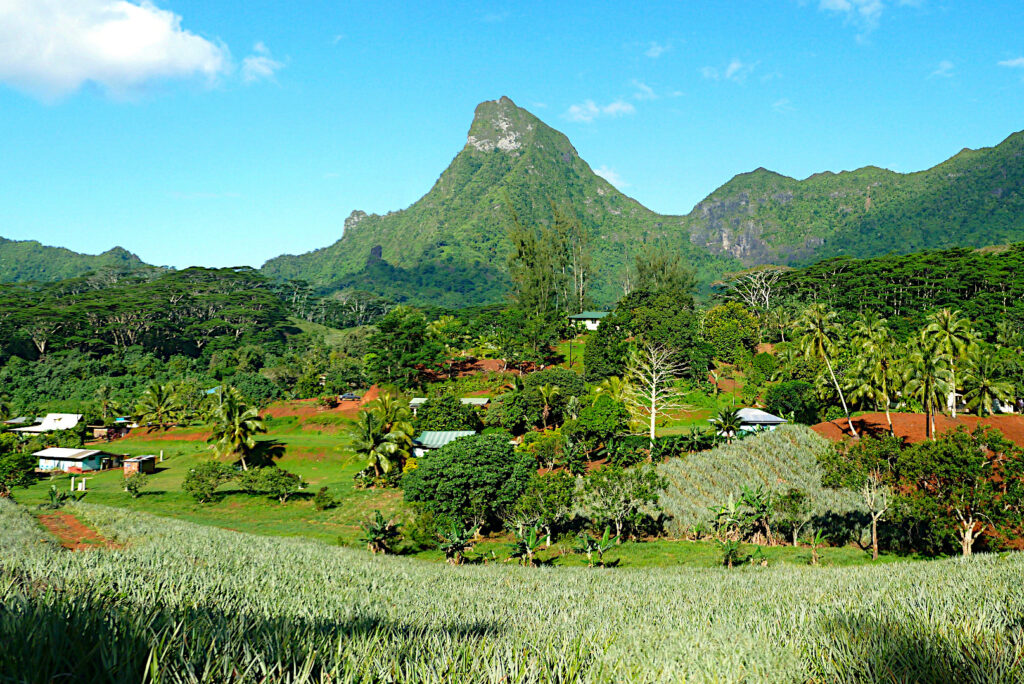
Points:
x=321 y=456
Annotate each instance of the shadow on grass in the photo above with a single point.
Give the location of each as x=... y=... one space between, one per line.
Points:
x=862 y=648
x=128 y=641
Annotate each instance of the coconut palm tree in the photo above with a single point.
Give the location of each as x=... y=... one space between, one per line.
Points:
x=820 y=332
x=547 y=394
x=235 y=426
x=392 y=412
x=982 y=386
x=952 y=335
x=928 y=378
x=872 y=376
x=157 y=407
x=727 y=423
x=614 y=387
x=382 y=449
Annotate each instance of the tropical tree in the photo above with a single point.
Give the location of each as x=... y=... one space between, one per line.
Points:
x=392 y=412
x=104 y=396
x=952 y=336
x=927 y=378
x=983 y=387
x=547 y=393
x=820 y=332
x=157 y=407
x=650 y=378
x=612 y=386
x=381 y=447
x=872 y=376
x=235 y=426
x=727 y=423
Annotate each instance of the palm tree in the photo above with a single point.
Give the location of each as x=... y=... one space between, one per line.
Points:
x=104 y=396
x=982 y=387
x=872 y=376
x=614 y=387
x=383 y=449
x=727 y=423
x=548 y=393
x=157 y=406
x=820 y=331
x=392 y=412
x=928 y=378
x=953 y=336
x=235 y=426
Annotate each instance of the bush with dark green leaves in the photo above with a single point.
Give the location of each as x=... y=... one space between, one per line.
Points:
x=598 y=423
x=796 y=399
x=445 y=411
x=471 y=479
x=271 y=481
x=16 y=470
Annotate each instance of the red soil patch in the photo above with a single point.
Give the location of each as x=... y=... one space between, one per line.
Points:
x=911 y=426
x=168 y=436
x=71 y=533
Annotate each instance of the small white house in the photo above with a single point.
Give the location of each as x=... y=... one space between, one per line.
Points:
x=754 y=420
x=590 y=320
x=79 y=460
x=430 y=440
x=51 y=423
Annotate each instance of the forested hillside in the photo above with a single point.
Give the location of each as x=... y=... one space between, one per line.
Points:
x=25 y=260
x=451 y=246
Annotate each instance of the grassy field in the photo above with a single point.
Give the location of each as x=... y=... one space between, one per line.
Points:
x=180 y=602
x=321 y=455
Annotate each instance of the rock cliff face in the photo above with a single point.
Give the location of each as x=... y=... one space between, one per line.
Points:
x=453 y=240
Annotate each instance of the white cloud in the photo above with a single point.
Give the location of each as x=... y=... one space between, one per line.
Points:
x=865 y=14
x=643 y=91
x=783 y=106
x=588 y=110
x=1017 y=63
x=655 y=50
x=944 y=69
x=259 y=65
x=736 y=71
x=52 y=47
x=611 y=176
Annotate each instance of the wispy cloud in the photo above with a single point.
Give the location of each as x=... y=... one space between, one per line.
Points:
x=944 y=69
x=643 y=91
x=736 y=71
x=588 y=110
x=864 y=14
x=259 y=65
x=51 y=49
x=656 y=49
x=611 y=176
x=1016 y=63
x=783 y=106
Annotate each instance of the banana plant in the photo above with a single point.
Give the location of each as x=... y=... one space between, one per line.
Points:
x=455 y=542
x=528 y=541
x=592 y=545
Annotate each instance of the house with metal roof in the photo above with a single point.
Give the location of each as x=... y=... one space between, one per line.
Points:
x=754 y=420
x=416 y=402
x=435 y=439
x=590 y=320
x=51 y=423
x=75 y=460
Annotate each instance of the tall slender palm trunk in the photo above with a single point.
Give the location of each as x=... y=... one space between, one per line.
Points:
x=842 y=399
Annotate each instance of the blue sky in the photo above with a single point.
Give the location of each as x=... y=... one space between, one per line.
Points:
x=225 y=133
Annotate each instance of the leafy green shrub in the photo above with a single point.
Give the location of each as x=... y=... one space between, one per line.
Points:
x=473 y=478
x=731 y=329
x=445 y=411
x=16 y=470
x=622 y=497
x=203 y=479
x=323 y=500
x=134 y=484
x=271 y=481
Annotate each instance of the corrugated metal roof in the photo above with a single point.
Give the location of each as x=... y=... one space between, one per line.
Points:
x=437 y=439
x=586 y=315
x=67 y=454
x=758 y=417
x=53 y=422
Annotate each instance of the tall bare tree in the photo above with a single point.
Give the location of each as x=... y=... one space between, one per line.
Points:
x=650 y=382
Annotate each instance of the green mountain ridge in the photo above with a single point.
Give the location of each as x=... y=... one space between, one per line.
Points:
x=451 y=244
x=25 y=260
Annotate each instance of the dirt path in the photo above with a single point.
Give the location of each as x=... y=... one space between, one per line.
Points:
x=71 y=533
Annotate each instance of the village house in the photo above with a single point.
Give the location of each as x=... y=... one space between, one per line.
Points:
x=51 y=423
x=140 y=464
x=75 y=460
x=590 y=320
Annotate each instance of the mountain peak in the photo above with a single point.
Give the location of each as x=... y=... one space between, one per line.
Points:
x=501 y=125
